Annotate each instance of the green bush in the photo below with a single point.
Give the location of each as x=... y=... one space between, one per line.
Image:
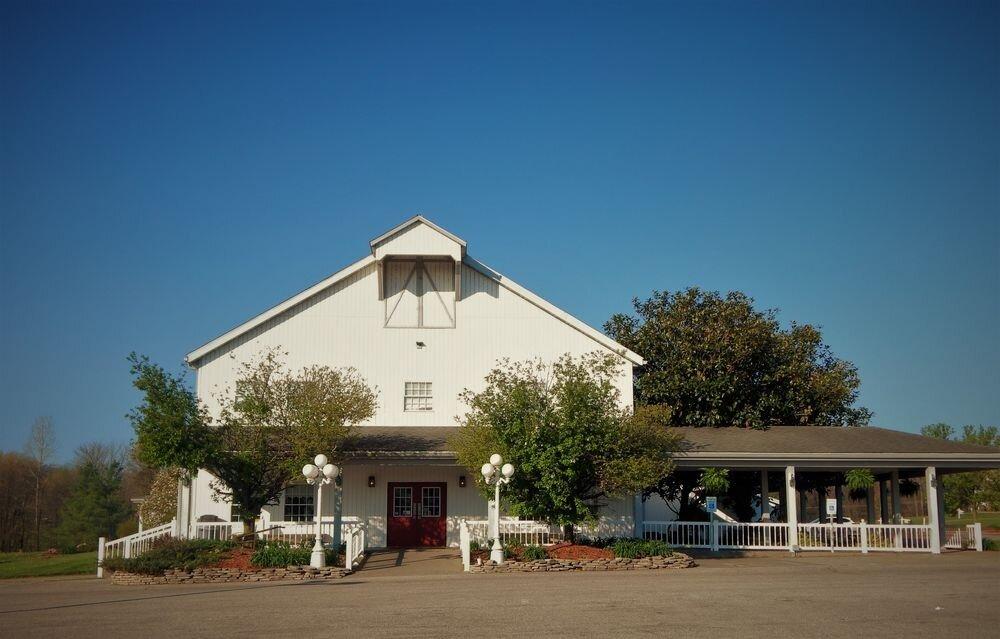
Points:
x=184 y=554
x=512 y=549
x=532 y=553
x=990 y=544
x=278 y=554
x=638 y=548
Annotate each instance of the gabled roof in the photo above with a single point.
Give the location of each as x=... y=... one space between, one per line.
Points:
x=416 y=219
x=506 y=282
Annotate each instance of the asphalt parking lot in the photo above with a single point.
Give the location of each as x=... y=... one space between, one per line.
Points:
x=811 y=595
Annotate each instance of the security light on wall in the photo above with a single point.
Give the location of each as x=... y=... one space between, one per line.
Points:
x=371 y=481
x=421 y=345
x=461 y=481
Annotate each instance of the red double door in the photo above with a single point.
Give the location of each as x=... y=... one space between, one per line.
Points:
x=417 y=514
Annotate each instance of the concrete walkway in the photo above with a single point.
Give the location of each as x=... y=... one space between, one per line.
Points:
x=411 y=562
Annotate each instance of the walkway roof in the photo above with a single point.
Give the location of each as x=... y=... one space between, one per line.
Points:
x=816 y=447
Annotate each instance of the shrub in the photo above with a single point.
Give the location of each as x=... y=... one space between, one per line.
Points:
x=183 y=554
x=532 y=553
x=278 y=554
x=990 y=544
x=512 y=549
x=475 y=546
x=638 y=548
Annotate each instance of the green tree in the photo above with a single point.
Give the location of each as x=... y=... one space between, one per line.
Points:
x=94 y=507
x=717 y=361
x=970 y=491
x=564 y=429
x=269 y=424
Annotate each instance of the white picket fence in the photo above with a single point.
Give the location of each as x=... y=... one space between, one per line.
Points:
x=687 y=534
x=295 y=533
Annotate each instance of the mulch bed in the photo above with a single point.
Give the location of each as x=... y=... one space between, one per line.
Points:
x=563 y=550
x=238 y=558
x=567 y=550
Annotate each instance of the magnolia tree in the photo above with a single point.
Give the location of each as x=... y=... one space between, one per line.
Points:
x=563 y=427
x=268 y=425
x=718 y=361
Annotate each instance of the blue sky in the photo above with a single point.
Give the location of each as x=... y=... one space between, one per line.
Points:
x=169 y=170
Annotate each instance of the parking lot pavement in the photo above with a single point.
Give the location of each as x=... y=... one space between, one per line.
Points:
x=810 y=595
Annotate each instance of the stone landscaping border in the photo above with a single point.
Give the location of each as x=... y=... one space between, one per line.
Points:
x=229 y=575
x=676 y=560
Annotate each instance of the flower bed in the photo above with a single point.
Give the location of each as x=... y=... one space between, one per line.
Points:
x=206 y=561
x=228 y=575
x=675 y=560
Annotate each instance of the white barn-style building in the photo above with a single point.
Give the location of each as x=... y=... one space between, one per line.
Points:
x=421 y=321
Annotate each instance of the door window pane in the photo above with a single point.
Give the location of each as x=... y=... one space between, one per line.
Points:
x=430 y=505
x=402 y=501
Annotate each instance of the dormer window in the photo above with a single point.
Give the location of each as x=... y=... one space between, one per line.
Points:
x=417 y=396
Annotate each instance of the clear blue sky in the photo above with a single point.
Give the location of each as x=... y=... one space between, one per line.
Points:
x=169 y=170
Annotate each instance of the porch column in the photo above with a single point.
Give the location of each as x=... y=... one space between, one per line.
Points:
x=783 y=503
x=897 y=504
x=838 y=493
x=883 y=495
x=638 y=515
x=791 y=515
x=338 y=510
x=934 y=516
x=870 y=504
x=765 y=497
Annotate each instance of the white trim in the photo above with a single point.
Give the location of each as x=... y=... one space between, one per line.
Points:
x=410 y=222
x=602 y=339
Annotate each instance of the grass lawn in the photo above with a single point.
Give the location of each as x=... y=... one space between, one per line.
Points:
x=36 y=564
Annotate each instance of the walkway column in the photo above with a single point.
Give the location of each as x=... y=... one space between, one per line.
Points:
x=338 y=510
x=765 y=497
x=935 y=516
x=838 y=493
x=870 y=504
x=638 y=515
x=883 y=496
x=791 y=515
x=897 y=503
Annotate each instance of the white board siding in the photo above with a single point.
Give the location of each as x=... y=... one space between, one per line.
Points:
x=344 y=326
x=370 y=504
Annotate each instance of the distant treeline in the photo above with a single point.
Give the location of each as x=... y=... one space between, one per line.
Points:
x=45 y=505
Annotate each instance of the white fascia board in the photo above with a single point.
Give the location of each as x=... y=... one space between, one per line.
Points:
x=555 y=311
x=249 y=325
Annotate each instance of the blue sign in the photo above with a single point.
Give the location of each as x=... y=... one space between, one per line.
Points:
x=711 y=504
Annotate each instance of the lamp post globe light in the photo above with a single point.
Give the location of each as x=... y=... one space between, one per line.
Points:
x=497 y=474
x=319 y=473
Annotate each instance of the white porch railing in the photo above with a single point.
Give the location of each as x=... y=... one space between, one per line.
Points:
x=751 y=536
x=295 y=533
x=131 y=545
x=687 y=534
x=968 y=538
x=354 y=546
x=525 y=532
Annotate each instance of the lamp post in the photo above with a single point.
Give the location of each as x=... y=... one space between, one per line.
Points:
x=319 y=473
x=496 y=474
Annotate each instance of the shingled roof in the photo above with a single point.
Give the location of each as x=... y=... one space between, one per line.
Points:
x=806 y=446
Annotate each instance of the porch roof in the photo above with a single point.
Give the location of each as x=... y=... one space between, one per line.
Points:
x=806 y=446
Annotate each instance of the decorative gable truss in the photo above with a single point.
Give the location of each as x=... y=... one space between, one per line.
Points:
x=419 y=293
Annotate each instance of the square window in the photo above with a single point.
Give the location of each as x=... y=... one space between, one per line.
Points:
x=430 y=506
x=299 y=503
x=417 y=396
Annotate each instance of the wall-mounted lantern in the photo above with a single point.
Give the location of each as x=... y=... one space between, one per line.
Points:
x=371 y=481
x=461 y=481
